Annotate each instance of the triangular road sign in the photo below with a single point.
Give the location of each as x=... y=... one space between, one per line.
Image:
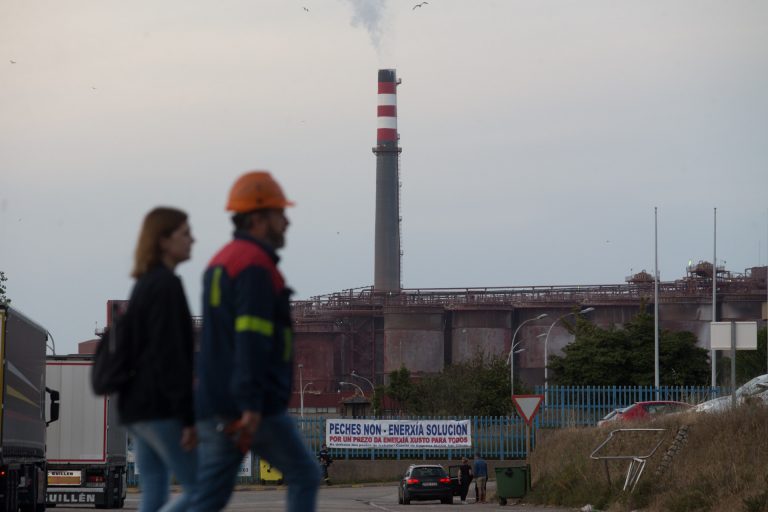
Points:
x=527 y=405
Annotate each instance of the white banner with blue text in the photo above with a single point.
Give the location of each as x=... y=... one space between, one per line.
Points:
x=425 y=434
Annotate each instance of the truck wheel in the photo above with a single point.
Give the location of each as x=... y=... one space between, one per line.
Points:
x=33 y=496
x=10 y=491
x=32 y=507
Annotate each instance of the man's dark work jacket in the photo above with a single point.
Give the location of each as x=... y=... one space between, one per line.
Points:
x=246 y=353
x=163 y=351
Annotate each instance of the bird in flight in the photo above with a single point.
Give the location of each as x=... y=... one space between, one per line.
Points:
x=305 y=9
x=419 y=5
x=13 y=62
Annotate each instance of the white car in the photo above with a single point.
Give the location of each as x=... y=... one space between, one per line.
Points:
x=756 y=388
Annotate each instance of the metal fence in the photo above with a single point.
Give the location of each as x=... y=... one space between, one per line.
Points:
x=495 y=437
x=576 y=406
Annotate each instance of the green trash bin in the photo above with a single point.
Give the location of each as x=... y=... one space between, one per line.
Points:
x=512 y=482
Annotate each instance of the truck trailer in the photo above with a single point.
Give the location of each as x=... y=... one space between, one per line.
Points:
x=87 y=462
x=22 y=412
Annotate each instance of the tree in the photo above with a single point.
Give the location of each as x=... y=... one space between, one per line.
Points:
x=625 y=357
x=749 y=363
x=3 y=297
x=479 y=387
x=401 y=388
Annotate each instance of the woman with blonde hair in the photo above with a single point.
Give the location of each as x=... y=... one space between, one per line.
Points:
x=156 y=406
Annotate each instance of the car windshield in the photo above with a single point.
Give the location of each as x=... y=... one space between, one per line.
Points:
x=663 y=408
x=433 y=471
x=611 y=414
x=620 y=410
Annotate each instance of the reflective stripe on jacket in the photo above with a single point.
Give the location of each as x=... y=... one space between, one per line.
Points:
x=246 y=353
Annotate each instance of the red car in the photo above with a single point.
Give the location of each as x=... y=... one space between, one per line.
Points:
x=644 y=410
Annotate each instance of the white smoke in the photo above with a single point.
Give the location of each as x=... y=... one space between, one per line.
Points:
x=368 y=13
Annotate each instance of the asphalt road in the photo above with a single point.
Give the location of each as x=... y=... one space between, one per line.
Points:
x=338 y=498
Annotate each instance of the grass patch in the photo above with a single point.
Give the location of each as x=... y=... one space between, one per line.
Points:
x=723 y=465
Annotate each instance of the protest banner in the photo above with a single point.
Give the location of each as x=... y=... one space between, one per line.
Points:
x=420 y=434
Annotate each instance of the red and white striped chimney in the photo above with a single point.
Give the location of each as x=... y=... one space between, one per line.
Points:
x=387 y=248
x=387 y=111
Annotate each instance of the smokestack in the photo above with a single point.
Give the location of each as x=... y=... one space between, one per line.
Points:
x=387 y=151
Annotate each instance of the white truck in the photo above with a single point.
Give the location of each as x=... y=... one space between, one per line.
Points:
x=86 y=453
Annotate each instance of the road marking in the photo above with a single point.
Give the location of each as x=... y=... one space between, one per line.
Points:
x=380 y=507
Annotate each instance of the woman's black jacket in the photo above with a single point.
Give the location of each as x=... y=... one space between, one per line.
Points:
x=163 y=351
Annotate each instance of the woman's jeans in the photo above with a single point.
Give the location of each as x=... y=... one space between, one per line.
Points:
x=158 y=456
x=277 y=440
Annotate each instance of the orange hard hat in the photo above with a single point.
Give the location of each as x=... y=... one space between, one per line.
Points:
x=256 y=190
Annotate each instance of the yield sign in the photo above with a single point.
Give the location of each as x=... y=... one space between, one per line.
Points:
x=527 y=405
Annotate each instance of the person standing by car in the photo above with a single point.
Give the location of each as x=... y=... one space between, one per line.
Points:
x=465 y=477
x=480 y=471
x=245 y=367
x=156 y=405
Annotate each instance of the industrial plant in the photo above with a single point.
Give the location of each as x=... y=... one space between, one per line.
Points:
x=349 y=341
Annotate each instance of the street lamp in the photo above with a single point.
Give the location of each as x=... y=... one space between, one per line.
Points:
x=512 y=368
x=301 y=387
x=353 y=385
x=301 y=396
x=355 y=374
x=512 y=352
x=546 y=347
x=373 y=388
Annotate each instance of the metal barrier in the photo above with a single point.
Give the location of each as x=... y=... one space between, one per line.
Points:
x=575 y=406
x=636 y=462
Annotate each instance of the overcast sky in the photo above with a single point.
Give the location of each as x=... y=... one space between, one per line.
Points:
x=537 y=138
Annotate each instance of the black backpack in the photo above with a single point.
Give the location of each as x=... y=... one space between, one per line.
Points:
x=113 y=363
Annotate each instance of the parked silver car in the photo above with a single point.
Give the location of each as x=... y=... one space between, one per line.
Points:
x=756 y=388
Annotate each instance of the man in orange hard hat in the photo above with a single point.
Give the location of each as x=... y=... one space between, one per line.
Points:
x=245 y=364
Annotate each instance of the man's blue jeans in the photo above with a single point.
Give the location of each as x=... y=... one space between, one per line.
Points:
x=278 y=440
x=158 y=456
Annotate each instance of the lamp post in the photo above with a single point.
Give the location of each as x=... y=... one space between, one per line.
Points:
x=512 y=352
x=355 y=374
x=546 y=348
x=353 y=385
x=301 y=396
x=373 y=389
x=301 y=387
x=512 y=367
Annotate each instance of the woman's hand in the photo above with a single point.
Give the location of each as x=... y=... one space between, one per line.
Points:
x=188 y=438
